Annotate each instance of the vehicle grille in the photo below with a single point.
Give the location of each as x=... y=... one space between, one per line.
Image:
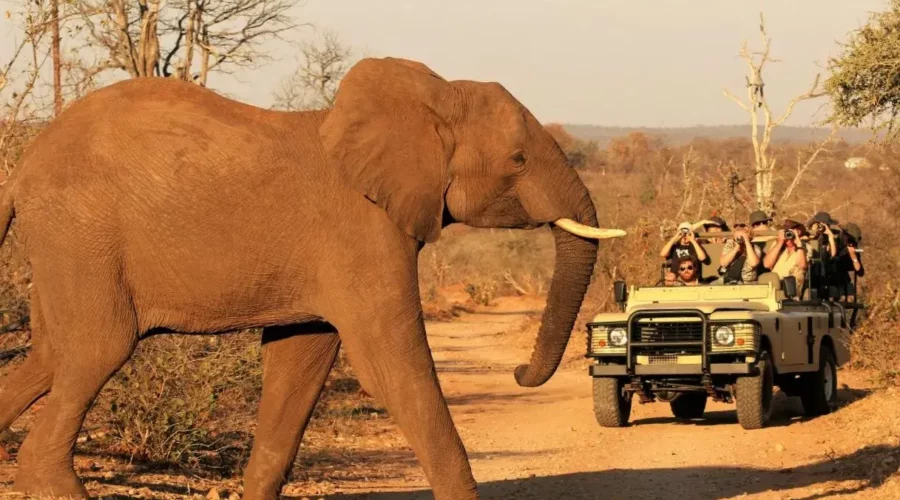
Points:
x=668 y=332
x=663 y=359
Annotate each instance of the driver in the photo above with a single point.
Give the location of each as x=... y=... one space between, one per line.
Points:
x=688 y=272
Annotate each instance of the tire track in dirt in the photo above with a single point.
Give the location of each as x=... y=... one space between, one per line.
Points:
x=544 y=442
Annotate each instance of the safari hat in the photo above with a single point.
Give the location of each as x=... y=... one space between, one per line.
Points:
x=853 y=230
x=759 y=216
x=795 y=226
x=823 y=217
x=716 y=221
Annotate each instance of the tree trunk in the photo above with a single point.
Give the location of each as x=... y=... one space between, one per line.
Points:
x=57 y=63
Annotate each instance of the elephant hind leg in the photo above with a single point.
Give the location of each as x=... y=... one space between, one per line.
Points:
x=93 y=334
x=296 y=362
x=30 y=381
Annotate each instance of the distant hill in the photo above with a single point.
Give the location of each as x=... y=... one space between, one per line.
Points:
x=681 y=135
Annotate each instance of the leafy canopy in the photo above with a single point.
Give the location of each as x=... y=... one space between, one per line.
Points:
x=864 y=81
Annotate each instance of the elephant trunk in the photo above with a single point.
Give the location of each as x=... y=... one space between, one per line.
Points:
x=575 y=259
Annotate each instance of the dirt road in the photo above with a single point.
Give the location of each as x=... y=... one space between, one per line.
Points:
x=544 y=443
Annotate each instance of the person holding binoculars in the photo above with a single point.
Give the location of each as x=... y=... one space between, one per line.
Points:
x=788 y=257
x=683 y=244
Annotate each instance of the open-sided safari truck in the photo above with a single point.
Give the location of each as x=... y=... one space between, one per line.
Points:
x=731 y=343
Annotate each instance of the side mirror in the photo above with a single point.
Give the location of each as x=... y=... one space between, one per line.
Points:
x=790 y=287
x=620 y=292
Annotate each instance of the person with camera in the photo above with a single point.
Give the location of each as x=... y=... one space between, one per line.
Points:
x=820 y=228
x=740 y=258
x=848 y=259
x=788 y=257
x=684 y=243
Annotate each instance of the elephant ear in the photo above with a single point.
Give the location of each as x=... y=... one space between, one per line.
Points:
x=388 y=136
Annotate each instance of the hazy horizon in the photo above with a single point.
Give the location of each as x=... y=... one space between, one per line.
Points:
x=637 y=64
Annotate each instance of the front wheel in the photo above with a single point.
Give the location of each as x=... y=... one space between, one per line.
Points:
x=753 y=395
x=819 y=389
x=689 y=405
x=611 y=406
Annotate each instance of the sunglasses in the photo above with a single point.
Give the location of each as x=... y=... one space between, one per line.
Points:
x=686 y=268
x=759 y=224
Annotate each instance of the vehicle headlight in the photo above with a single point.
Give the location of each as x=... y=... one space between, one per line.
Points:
x=617 y=336
x=724 y=336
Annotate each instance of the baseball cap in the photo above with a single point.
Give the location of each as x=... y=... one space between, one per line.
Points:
x=684 y=225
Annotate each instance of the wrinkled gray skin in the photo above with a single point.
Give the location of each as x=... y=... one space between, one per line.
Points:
x=153 y=205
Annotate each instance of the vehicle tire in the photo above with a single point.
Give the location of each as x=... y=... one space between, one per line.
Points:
x=753 y=395
x=819 y=389
x=689 y=405
x=611 y=407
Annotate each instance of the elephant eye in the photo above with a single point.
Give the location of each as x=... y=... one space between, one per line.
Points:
x=519 y=158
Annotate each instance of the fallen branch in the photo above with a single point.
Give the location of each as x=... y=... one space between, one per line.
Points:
x=7 y=356
x=15 y=325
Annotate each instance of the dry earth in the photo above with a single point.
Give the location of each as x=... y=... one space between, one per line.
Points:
x=544 y=443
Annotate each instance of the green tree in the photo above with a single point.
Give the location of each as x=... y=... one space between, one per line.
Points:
x=864 y=80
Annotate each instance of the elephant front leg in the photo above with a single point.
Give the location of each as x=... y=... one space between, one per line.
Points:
x=390 y=353
x=296 y=362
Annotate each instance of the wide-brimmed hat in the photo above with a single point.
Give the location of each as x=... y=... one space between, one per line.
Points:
x=795 y=226
x=853 y=230
x=759 y=216
x=716 y=221
x=823 y=217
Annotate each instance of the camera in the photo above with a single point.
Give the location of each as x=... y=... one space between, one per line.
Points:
x=684 y=230
x=789 y=234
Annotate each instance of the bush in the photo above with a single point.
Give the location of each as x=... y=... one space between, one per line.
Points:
x=185 y=400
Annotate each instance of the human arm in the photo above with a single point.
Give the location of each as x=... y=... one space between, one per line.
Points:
x=667 y=248
x=752 y=251
x=772 y=255
x=855 y=261
x=832 y=246
x=701 y=254
x=729 y=253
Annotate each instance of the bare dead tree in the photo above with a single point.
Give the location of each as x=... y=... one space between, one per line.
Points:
x=20 y=75
x=186 y=39
x=57 y=60
x=765 y=162
x=314 y=84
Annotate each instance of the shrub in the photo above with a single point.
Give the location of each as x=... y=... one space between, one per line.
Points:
x=184 y=400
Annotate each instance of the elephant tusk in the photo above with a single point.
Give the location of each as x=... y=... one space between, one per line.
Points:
x=579 y=229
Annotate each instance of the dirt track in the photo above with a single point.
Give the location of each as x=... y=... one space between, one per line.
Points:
x=544 y=443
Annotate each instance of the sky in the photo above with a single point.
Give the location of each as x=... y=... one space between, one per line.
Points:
x=656 y=63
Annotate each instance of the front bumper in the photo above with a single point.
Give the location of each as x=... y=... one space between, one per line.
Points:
x=689 y=355
x=673 y=369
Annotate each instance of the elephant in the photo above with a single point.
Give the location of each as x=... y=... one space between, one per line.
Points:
x=156 y=206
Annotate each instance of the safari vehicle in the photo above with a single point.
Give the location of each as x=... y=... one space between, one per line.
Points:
x=732 y=343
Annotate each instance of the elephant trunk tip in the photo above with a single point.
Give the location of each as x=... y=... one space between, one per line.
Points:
x=526 y=376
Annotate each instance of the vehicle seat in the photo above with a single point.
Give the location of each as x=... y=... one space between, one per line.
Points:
x=710 y=269
x=775 y=280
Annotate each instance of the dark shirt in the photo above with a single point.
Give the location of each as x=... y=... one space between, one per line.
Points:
x=678 y=251
x=842 y=266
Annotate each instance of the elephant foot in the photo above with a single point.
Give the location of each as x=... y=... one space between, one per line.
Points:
x=60 y=484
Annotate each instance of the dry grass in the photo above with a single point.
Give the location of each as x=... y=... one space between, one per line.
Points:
x=190 y=402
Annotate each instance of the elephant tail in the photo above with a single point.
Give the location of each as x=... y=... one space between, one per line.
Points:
x=7 y=211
